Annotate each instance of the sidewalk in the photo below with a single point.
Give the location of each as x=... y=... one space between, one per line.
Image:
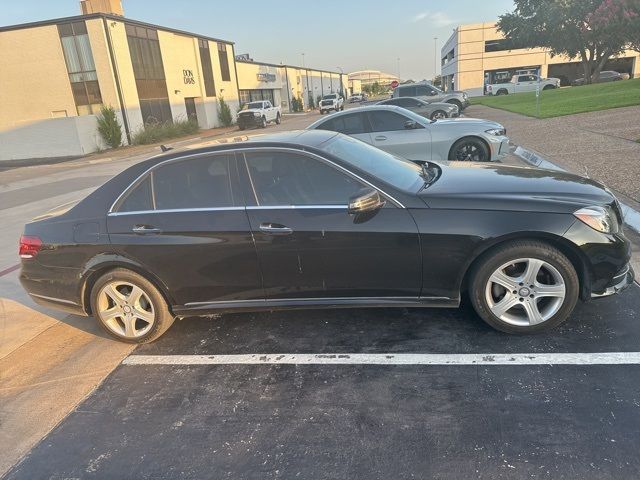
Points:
x=601 y=145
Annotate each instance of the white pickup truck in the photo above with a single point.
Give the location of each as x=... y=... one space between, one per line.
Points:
x=333 y=101
x=522 y=83
x=258 y=114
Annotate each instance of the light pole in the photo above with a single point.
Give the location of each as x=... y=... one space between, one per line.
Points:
x=398 y=69
x=303 y=60
x=435 y=57
x=341 y=84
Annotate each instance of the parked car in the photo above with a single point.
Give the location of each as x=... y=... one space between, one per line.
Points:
x=604 y=77
x=333 y=101
x=432 y=111
x=357 y=98
x=521 y=84
x=411 y=136
x=429 y=93
x=258 y=114
x=213 y=230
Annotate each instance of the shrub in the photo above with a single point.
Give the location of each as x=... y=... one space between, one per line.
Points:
x=312 y=104
x=154 y=132
x=224 y=113
x=296 y=104
x=109 y=127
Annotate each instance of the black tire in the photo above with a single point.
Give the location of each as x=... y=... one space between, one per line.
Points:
x=548 y=87
x=502 y=91
x=342 y=108
x=321 y=112
x=278 y=119
x=162 y=317
x=457 y=104
x=241 y=127
x=438 y=114
x=263 y=122
x=470 y=149
x=479 y=289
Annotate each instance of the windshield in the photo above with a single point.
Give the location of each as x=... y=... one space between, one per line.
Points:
x=395 y=171
x=253 y=105
x=329 y=97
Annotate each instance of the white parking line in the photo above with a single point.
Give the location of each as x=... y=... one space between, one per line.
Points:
x=604 y=358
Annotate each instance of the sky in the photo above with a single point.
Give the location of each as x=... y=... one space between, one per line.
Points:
x=348 y=34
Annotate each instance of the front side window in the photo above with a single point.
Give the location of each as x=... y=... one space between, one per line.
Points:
x=81 y=67
x=285 y=179
x=426 y=91
x=184 y=184
x=384 y=121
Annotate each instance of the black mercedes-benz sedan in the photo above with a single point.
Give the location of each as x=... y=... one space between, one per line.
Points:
x=318 y=219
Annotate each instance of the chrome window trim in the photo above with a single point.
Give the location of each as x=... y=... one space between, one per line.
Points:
x=297 y=207
x=243 y=150
x=175 y=210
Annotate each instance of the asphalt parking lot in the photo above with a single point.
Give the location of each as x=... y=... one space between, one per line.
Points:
x=326 y=421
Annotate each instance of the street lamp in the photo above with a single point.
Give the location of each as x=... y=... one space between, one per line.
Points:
x=303 y=60
x=341 y=84
x=398 y=68
x=435 y=57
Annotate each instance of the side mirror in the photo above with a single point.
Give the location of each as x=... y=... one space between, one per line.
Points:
x=366 y=200
x=410 y=125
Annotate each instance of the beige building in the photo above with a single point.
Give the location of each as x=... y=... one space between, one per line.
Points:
x=477 y=54
x=55 y=75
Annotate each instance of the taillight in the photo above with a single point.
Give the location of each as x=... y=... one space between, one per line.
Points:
x=29 y=246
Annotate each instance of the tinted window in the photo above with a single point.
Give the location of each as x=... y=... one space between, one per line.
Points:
x=395 y=171
x=139 y=199
x=353 y=124
x=382 y=121
x=424 y=90
x=405 y=102
x=198 y=183
x=406 y=91
x=281 y=178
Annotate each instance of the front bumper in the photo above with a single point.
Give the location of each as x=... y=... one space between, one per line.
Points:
x=332 y=106
x=620 y=282
x=499 y=146
x=248 y=121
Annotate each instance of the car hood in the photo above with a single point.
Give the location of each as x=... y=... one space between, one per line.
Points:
x=479 y=186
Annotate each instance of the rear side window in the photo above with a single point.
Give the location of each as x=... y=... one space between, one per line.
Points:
x=196 y=183
x=139 y=199
x=406 y=91
x=353 y=124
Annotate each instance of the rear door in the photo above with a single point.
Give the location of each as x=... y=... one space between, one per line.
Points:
x=526 y=83
x=185 y=223
x=389 y=133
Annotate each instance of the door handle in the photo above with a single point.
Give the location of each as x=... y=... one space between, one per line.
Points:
x=275 y=229
x=380 y=138
x=145 y=230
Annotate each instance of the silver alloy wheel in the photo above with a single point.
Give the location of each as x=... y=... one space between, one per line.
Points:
x=525 y=292
x=125 y=309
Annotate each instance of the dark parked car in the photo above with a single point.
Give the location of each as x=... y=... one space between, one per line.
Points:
x=604 y=77
x=319 y=219
x=433 y=111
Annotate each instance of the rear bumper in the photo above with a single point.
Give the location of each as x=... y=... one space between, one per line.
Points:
x=53 y=287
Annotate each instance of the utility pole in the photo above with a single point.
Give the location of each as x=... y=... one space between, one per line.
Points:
x=435 y=57
x=303 y=61
x=398 y=69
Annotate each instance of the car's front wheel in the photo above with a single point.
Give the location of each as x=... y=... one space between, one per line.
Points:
x=263 y=122
x=129 y=307
x=524 y=287
x=278 y=119
x=470 y=149
x=438 y=115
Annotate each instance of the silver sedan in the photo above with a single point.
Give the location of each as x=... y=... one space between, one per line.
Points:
x=432 y=111
x=401 y=132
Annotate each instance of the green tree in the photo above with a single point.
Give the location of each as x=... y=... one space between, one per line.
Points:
x=109 y=127
x=224 y=113
x=592 y=30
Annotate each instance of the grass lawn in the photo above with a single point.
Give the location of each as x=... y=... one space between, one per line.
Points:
x=567 y=101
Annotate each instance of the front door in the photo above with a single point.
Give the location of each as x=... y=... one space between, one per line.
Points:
x=190 y=104
x=185 y=223
x=389 y=133
x=310 y=247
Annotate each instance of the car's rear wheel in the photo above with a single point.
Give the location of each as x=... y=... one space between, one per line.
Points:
x=278 y=119
x=241 y=127
x=129 y=307
x=438 y=115
x=524 y=287
x=502 y=92
x=470 y=149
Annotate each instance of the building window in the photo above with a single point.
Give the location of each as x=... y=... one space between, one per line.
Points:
x=224 y=62
x=148 y=71
x=81 y=67
x=500 y=45
x=207 y=68
x=247 y=96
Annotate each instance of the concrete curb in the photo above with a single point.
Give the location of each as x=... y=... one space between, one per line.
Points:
x=630 y=215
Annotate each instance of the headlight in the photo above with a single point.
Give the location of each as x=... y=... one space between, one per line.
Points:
x=600 y=219
x=257 y=114
x=498 y=132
